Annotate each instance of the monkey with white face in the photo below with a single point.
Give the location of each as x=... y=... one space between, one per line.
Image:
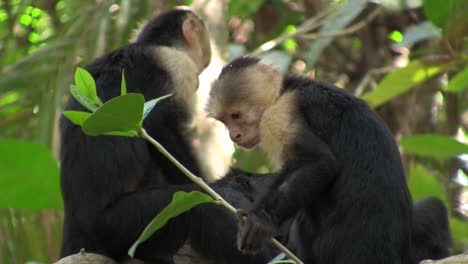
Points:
x=339 y=167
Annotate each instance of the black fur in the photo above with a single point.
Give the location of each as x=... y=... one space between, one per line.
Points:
x=431 y=231
x=113 y=186
x=239 y=64
x=344 y=181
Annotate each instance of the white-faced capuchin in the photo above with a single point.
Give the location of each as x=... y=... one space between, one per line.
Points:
x=339 y=169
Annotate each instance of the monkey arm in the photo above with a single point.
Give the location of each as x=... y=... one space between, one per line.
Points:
x=297 y=187
x=298 y=184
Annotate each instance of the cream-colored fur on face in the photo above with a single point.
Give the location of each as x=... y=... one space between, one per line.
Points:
x=258 y=84
x=280 y=126
x=183 y=72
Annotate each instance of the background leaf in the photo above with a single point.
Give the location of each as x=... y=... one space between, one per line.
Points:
x=459 y=82
x=29 y=176
x=422 y=31
x=432 y=145
x=120 y=114
x=181 y=202
x=401 y=81
x=439 y=12
x=422 y=184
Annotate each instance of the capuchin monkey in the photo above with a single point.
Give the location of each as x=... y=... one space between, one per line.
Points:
x=114 y=186
x=340 y=175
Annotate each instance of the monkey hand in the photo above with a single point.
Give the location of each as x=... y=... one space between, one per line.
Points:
x=254 y=232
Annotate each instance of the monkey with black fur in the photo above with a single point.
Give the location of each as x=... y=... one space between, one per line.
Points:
x=340 y=172
x=113 y=186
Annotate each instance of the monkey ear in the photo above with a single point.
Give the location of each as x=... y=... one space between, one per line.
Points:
x=189 y=30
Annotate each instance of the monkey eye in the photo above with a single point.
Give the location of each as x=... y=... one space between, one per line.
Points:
x=235 y=116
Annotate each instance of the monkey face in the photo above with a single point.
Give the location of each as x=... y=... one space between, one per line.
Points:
x=243 y=126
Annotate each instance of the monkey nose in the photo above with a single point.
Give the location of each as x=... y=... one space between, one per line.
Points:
x=235 y=137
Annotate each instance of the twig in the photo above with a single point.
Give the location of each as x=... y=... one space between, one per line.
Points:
x=308 y=25
x=199 y=181
x=354 y=28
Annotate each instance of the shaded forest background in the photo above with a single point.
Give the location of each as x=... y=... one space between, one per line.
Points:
x=407 y=58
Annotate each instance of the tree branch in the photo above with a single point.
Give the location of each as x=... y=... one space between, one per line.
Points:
x=351 y=29
x=308 y=25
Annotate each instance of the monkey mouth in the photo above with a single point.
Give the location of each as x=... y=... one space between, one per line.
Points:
x=248 y=144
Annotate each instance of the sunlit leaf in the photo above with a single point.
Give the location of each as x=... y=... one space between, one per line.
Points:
x=120 y=114
x=87 y=85
x=396 y=36
x=401 y=81
x=82 y=99
x=151 y=104
x=29 y=176
x=181 y=202
x=77 y=117
x=459 y=82
x=432 y=145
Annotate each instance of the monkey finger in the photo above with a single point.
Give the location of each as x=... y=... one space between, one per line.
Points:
x=241 y=215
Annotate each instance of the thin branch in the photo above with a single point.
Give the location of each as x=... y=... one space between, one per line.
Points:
x=199 y=181
x=308 y=25
x=350 y=30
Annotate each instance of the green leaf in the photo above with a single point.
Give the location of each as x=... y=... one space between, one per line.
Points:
x=433 y=145
x=334 y=23
x=151 y=104
x=120 y=114
x=401 y=81
x=123 y=85
x=439 y=12
x=77 y=117
x=86 y=85
x=29 y=176
x=422 y=184
x=459 y=82
x=181 y=202
x=82 y=99
x=459 y=230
